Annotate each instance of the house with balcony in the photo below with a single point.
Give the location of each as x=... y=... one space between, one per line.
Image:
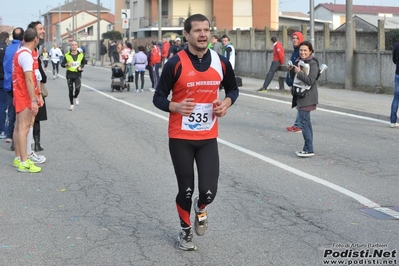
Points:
x=223 y=14
x=76 y=20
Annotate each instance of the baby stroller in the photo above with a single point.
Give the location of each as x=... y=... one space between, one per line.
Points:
x=119 y=71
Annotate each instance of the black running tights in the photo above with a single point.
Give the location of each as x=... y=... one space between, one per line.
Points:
x=77 y=83
x=206 y=156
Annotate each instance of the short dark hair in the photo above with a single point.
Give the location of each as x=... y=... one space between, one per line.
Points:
x=129 y=45
x=18 y=33
x=33 y=24
x=30 y=34
x=195 y=17
x=225 y=36
x=4 y=35
x=273 y=39
x=141 y=48
x=154 y=42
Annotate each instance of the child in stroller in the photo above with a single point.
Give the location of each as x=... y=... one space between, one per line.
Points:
x=119 y=70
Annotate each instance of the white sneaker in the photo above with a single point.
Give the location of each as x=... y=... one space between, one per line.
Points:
x=53 y=77
x=136 y=91
x=141 y=90
x=394 y=125
x=37 y=158
x=72 y=107
x=151 y=90
x=76 y=101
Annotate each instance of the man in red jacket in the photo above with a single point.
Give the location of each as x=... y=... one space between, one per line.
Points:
x=165 y=50
x=278 y=60
x=155 y=63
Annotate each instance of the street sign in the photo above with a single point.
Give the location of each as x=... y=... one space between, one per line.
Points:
x=125 y=23
x=125 y=13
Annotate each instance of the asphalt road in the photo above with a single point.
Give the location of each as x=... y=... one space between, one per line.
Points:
x=106 y=193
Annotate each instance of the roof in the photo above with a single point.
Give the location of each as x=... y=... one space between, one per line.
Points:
x=300 y=17
x=389 y=22
x=361 y=9
x=294 y=14
x=76 y=5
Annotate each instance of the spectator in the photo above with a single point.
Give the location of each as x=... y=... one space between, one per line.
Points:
x=395 y=101
x=17 y=36
x=165 y=50
x=229 y=50
x=278 y=60
x=140 y=63
x=176 y=47
x=306 y=101
x=296 y=39
x=103 y=52
x=216 y=45
x=155 y=63
x=4 y=38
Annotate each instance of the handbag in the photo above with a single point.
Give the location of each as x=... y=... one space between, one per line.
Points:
x=43 y=90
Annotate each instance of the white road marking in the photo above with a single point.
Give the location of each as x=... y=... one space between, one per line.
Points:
x=363 y=200
x=320 y=109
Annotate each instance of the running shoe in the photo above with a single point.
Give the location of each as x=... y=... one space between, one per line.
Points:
x=394 y=125
x=8 y=140
x=16 y=162
x=186 y=239
x=72 y=107
x=201 y=219
x=37 y=158
x=304 y=154
x=3 y=135
x=28 y=167
x=262 y=89
x=76 y=101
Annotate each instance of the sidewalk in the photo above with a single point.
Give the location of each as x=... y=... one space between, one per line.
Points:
x=355 y=102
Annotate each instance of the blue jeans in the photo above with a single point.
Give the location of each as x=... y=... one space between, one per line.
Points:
x=395 y=101
x=307 y=131
x=273 y=69
x=155 y=71
x=11 y=115
x=3 y=108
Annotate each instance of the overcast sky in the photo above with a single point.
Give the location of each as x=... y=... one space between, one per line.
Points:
x=20 y=13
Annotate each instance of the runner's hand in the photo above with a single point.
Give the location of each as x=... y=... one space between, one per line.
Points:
x=220 y=109
x=186 y=107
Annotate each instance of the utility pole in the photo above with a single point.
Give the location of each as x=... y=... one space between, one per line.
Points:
x=98 y=31
x=160 y=20
x=349 y=46
x=59 y=24
x=311 y=8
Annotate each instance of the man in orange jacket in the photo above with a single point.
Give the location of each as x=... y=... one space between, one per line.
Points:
x=278 y=60
x=165 y=50
x=155 y=63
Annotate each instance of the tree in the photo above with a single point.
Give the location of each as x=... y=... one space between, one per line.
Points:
x=112 y=35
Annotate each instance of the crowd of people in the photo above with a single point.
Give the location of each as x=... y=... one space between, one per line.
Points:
x=193 y=110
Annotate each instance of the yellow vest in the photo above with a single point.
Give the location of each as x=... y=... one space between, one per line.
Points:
x=76 y=64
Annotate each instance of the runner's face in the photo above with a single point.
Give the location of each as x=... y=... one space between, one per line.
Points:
x=40 y=31
x=198 y=37
x=74 y=46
